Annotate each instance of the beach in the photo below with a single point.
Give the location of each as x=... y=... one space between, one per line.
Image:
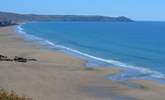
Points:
x=57 y=76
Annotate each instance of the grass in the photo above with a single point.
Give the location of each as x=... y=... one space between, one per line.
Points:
x=5 y=95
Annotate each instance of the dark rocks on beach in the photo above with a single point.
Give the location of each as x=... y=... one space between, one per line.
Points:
x=16 y=59
x=32 y=59
x=2 y=57
x=20 y=59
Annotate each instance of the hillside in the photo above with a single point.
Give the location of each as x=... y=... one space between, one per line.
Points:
x=16 y=18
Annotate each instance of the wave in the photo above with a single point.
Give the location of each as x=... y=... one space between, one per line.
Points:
x=142 y=70
x=20 y=29
x=29 y=37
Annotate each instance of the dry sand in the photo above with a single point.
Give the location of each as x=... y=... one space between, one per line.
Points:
x=56 y=76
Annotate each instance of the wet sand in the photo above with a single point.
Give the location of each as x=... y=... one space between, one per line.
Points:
x=57 y=76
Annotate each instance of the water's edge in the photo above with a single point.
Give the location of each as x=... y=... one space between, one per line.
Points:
x=129 y=73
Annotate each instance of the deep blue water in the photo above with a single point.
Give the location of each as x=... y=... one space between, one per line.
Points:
x=136 y=45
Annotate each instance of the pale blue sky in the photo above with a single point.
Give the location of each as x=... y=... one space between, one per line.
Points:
x=135 y=9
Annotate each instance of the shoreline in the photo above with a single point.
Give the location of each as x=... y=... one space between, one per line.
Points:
x=128 y=72
x=64 y=77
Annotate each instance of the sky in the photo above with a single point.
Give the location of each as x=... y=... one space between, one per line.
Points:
x=142 y=10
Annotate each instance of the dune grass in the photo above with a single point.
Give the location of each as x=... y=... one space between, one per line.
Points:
x=6 y=95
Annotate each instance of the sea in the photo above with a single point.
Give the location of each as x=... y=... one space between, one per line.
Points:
x=136 y=47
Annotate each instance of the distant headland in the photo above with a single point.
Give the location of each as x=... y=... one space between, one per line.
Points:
x=7 y=18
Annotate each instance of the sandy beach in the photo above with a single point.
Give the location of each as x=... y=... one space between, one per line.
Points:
x=57 y=76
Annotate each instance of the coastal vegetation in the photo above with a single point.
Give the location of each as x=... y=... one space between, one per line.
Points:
x=5 y=95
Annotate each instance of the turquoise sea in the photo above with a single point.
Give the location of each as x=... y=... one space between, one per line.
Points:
x=137 y=47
